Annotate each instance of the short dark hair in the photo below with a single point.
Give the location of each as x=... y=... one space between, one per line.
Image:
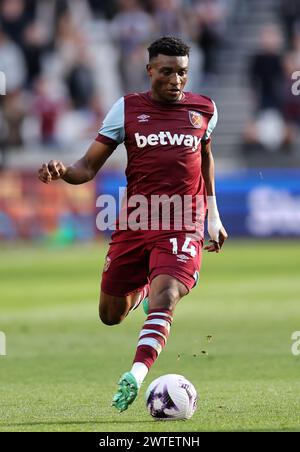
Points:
x=168 y=45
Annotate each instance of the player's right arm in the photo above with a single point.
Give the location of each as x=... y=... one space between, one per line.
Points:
x=110 y=135
x=80 y=172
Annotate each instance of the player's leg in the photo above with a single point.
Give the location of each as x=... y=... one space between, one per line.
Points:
x=165 y=293
x=124 y=282
x=174 y=268
x=114 y=308
x=172 y=275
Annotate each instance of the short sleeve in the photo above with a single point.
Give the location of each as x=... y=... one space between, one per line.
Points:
x=113 y=129
x=211 y=124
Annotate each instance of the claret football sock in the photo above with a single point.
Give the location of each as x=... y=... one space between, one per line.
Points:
x=152 y=339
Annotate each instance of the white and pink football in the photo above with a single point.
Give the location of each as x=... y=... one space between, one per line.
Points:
x=171 y=397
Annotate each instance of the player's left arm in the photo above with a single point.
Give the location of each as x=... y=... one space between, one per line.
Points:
x=215 y=228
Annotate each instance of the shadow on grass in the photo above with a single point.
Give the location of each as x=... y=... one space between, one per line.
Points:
x=151 y=422
x=24 y=424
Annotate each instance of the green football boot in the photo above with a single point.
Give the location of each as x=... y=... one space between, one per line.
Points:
x=127 y=392
x=145 y=303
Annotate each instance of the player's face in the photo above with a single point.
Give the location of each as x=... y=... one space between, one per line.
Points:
x=168 y=75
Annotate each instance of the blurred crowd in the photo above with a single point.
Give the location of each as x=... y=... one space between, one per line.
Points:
x=66 y=61
x=272 y=71
x=57 y=73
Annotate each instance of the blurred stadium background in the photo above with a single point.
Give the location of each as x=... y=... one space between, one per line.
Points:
x=65 y=63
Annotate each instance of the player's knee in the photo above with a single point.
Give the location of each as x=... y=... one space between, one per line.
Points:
x=111 y=310
x=165 y=299
x=109 y=319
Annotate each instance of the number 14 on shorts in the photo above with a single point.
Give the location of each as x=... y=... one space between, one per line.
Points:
x=185 y=247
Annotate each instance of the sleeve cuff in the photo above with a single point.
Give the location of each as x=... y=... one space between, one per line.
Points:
x=206 y=141
x=106 y=140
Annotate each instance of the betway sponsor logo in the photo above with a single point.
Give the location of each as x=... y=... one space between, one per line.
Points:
x=166 y=138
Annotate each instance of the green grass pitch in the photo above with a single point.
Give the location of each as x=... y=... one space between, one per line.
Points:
x=231 y=337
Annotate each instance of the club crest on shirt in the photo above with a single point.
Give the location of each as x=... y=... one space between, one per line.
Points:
x=195 y=119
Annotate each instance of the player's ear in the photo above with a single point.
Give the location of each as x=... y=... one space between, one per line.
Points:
x=149 y=70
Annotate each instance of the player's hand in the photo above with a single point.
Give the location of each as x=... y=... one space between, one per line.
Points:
x=218 y=236
x=54 y=170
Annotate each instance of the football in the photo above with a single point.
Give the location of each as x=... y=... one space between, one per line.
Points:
x=171 y=397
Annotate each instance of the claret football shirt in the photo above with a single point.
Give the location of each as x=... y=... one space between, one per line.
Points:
x=163 y=143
